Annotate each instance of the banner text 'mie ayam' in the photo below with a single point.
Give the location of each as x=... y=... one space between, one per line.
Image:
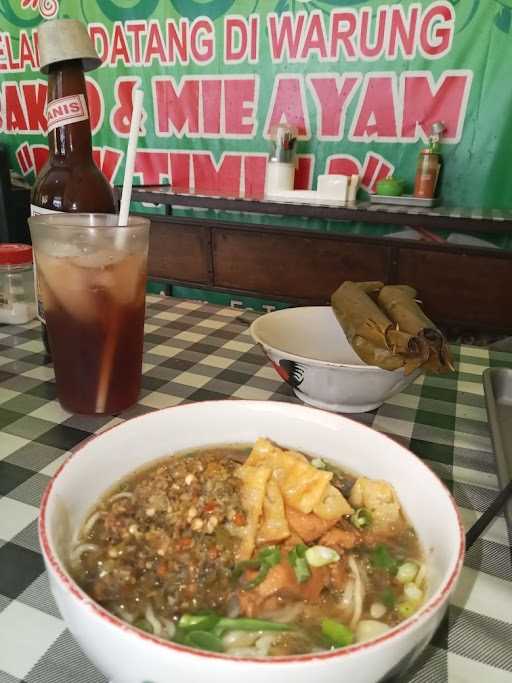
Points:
x=337 y=103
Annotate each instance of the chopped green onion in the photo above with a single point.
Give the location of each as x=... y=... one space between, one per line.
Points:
x=270 y=555
x=259 y=578
x=381 y=558
x=298 y=550
x=297 y=559
x=242 y=566
x=407 y=608
x=302 y=570
x=267 y=558
x=144 y=625
x=319 y=464
x=320 y=555
x=413 y=593
x=243 y=624
x=198 y=622
x=361 y=518
x=204 y=640
x=367 y=629
x=407 y=572
x=377 y=610
x=388 y=598
x=337 y=633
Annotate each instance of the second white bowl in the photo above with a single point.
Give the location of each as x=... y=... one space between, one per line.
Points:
x=310 y=351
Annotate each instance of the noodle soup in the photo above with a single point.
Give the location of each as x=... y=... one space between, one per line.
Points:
x=253 y=551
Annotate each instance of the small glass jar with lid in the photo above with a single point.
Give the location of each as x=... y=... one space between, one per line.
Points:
x=17 y=297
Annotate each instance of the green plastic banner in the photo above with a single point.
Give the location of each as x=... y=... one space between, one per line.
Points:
x=362 y=80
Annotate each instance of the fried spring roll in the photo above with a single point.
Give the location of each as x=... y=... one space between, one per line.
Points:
x=364 y=324
x=358 y=313
x=400 y=304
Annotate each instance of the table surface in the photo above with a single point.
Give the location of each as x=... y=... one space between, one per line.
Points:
x=195 y=352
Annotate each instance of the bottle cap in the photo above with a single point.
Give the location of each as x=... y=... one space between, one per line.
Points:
x=15 y=254
x=62 y=39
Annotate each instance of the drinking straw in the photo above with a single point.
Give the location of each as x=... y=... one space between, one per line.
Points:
x=107 y=361
x=126 y=195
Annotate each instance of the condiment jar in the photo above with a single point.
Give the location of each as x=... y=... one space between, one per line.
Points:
x=17 y=297
x=427 y=174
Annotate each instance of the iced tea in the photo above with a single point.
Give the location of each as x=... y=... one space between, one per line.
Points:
x=94 y=300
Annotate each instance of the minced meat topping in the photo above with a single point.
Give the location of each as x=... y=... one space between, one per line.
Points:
x=165 y=538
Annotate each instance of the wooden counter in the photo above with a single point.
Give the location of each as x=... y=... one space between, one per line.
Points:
x=468 y=287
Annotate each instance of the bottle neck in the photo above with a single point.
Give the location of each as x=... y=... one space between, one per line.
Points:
x=69 y=126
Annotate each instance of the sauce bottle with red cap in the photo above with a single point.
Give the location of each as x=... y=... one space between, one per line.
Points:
x=429 y=165
x=17 y=301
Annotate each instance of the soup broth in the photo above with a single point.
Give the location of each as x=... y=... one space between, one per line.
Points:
x=252 y=551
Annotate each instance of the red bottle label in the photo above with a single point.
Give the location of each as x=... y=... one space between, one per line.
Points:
x=66 y=110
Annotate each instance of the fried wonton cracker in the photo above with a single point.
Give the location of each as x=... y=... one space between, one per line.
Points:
x=265 y=453
x=254 y=484
x=380 y=498
x=302 y=485
x=333 y=505
x=274 y=526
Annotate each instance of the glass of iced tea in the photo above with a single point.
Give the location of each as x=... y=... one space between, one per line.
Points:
x=91 y=275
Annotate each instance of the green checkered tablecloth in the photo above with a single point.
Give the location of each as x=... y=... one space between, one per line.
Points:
x=195 y=352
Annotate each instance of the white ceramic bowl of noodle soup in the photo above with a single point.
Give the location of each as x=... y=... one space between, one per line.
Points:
x=127 y=655
x=309 y=350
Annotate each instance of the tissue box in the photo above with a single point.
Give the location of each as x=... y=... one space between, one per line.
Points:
x=333 y=186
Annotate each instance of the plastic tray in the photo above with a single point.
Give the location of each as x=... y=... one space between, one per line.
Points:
x=404 y=200
x=498 y=399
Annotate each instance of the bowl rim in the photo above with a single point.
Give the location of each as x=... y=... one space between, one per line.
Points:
x=360 y=367
x=76 y=593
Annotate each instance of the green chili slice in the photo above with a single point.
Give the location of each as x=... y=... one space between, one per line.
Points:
x=297 y=559
x=338 y=634
x=242 y=566
x=204 y=640
x=259 y=578
x=267 y=558
x=198 y=622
